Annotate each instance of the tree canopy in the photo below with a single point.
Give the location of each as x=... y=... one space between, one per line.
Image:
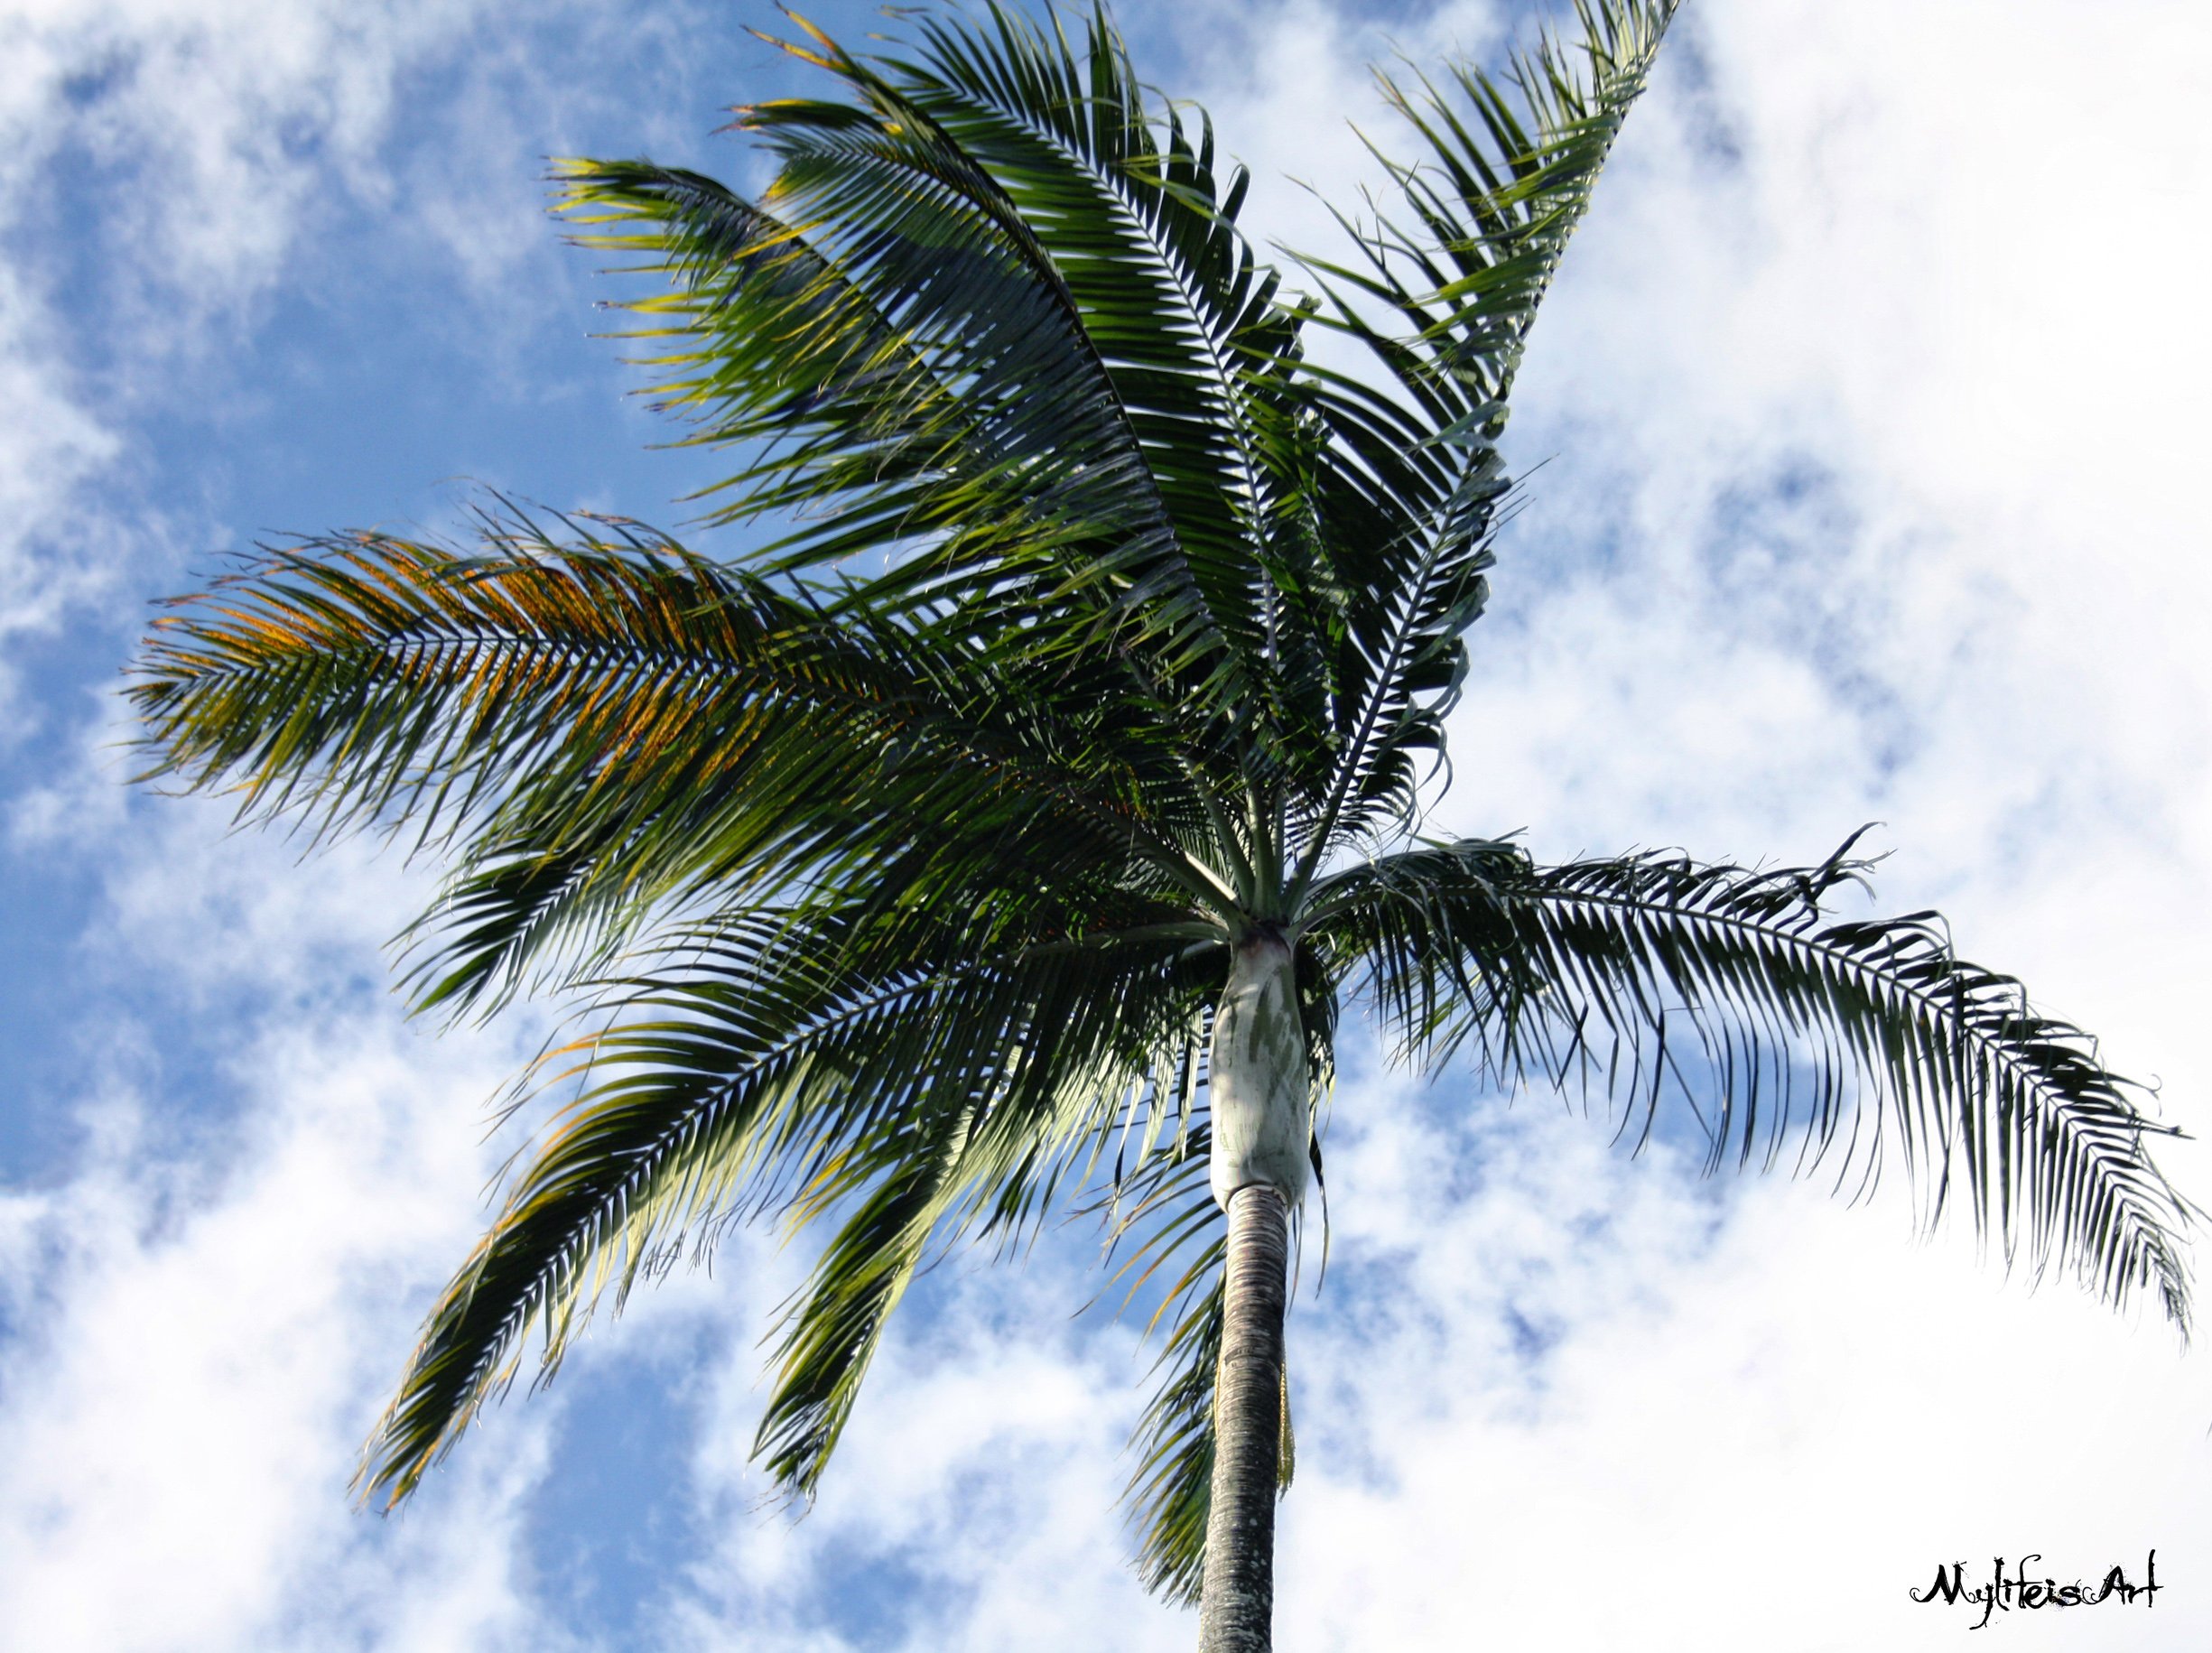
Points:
x=1097 y=626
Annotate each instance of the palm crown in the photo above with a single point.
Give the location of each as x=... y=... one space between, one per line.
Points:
x=918 y=862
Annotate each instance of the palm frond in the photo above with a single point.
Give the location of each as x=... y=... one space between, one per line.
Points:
x=611 y=724
x=1170 y=1491
x=1731 y=992
x=803 y=1066
x=1175 y=1262
x=1444 y=303
x=1142 y=229
x=1011 y=364
x=1100 y=1050
x=1507 y=177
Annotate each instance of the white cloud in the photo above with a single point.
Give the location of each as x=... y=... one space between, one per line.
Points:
x=199 y=1310
x=972 y=1501
x=53 y=445
x=1998 y=618
x=1753 y=1431
x=161 y=161
x=222 y=121
x=201 y=1322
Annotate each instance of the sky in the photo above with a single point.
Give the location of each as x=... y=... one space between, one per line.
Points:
x=1864 y=433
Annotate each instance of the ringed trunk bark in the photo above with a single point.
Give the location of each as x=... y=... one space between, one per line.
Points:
x=1259 y=1095
x=1236 y=1603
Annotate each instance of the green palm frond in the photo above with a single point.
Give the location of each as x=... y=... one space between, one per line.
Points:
x=992 y=313
x=1108 y=1043
x=1444 y=303
x=1175 y=1260
x=1142 y=229
x=1171 y=1484
x=1732 y=993
x=1507 y=177
x=804 y=1066
x=607 y=726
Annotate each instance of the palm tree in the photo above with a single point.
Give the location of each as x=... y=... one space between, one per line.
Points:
x=1002 y=839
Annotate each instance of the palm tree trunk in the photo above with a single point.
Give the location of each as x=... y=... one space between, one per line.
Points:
x=1259 y=1090
x=1237 y=1600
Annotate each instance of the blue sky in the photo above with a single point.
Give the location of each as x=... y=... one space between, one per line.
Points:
x=1870 y=407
